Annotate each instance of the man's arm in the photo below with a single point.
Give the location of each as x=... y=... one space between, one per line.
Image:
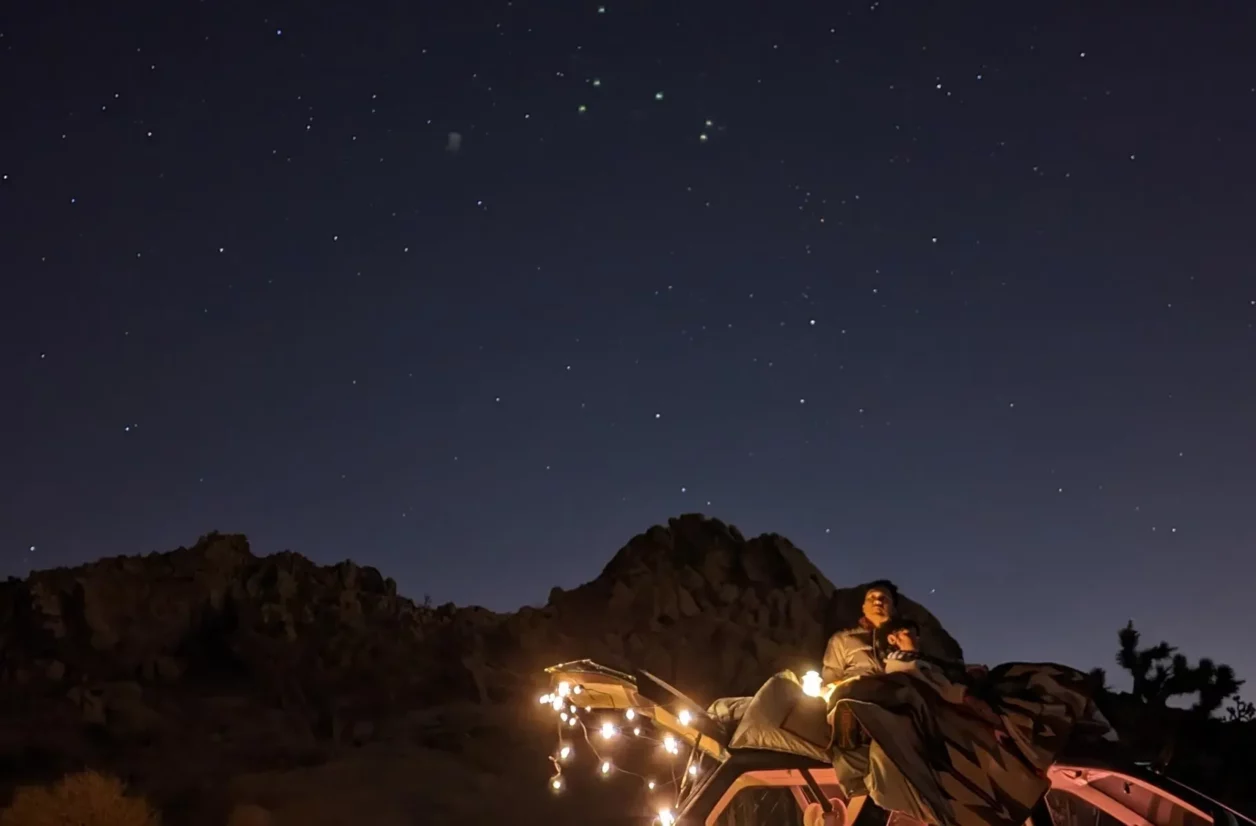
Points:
x=848 y=655
x=834 y=666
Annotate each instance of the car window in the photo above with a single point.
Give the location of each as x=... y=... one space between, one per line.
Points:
x=1148 y=805
x=1070 y=810
x=762 y=806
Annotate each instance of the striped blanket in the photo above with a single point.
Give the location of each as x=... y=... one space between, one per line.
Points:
x=953 y=754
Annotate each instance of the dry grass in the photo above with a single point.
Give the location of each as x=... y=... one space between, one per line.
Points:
x=83 y=799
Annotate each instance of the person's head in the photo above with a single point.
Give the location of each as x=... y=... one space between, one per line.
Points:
x=879 y=602
x=902 y=634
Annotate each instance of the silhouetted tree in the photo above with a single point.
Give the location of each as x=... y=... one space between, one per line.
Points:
x=1160 y=673
x=1240 y=711
x=1147 y=665
x=1215 y=684
x=1099 y=679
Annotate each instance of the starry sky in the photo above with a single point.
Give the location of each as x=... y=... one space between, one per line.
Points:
x=959 y=293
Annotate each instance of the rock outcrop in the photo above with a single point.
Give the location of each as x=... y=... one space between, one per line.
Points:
x=183 y=670
x=702 y=607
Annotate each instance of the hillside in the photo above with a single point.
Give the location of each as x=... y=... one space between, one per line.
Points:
x=208 y=675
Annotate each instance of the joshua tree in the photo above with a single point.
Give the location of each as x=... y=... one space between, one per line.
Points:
x=1160 y=672
x=1240 y=711
x=1146 y=666
x=1215 y=684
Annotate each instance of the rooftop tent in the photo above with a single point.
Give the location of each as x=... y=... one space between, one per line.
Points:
x=779 y=717
x=592 y=687
x=781 y=721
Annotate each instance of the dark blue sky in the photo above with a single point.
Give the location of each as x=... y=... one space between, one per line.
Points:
x=961 y=294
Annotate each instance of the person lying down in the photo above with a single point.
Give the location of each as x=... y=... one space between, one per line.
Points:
x=950 y=678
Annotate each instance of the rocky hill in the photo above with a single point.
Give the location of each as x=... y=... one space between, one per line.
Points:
x=208 y=675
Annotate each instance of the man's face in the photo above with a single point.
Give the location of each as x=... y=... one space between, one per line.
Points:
x=904 y=639
x=878 y=606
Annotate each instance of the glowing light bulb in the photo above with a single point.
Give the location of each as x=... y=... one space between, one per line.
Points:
x=693 y=769
x=608 y=730
x=557 y=703
x=811 y=684
x=573 y=709
x=564 y=716
x=577 y=689
x=684 y=716
x=545 y=699
x=564 y=688
x=572 y=721
x=666 y=818
x=637 y=730
x=649 y=784
x=564 y=752
x=669 y=745
x=606 y=767
x=629 y=714
x=556 y=783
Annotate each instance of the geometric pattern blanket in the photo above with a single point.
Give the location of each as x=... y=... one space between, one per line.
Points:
x=951 y=752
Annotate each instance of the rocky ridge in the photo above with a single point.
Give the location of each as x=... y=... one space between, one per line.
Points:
x=186 y=669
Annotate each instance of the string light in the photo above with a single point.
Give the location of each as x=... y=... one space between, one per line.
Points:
x=811 y=685
x=572 y=716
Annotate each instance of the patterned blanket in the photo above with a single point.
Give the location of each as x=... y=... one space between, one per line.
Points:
x=951 y=752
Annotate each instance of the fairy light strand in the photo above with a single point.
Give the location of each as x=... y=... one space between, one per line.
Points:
x=570 y=717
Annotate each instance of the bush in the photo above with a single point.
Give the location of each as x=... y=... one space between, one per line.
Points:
x=83 y=799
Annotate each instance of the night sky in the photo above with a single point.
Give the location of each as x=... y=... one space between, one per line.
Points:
x=960 y=294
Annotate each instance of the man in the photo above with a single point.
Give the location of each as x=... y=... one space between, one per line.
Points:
x=857 y=652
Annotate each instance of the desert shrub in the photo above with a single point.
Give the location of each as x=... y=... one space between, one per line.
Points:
x=84 y=799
